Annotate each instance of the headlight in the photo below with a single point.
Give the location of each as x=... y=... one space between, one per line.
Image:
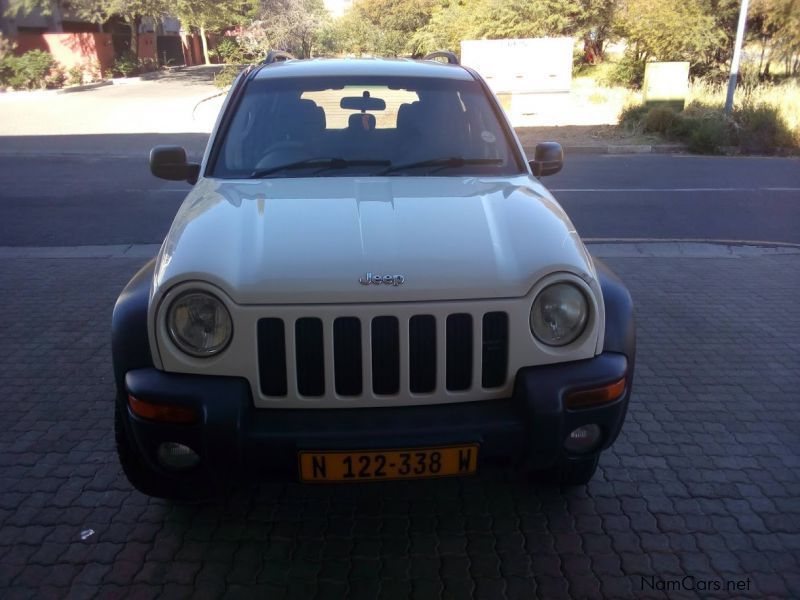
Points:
x=559 y=314
x=199 y=324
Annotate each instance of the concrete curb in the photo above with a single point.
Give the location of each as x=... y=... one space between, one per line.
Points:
x=105 y=251
x=9 y=93
x=126 y=80
x=604 y=249
x=619 y=149
x=568 y=150
x=71 y=89
x=88 y=86
x=687 y=249
x=195 y=155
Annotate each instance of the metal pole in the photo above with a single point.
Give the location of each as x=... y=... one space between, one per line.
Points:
x=737 y=54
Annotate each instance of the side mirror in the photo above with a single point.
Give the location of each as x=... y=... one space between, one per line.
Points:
x=169 y=162
x=548 y=158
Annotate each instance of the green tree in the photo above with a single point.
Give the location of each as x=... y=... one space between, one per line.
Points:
x=381 y=27
x=48 y=8
x=448 y=25
x=597 y=24
x=658 y=30
x=130 y=11
x=292 y=25
x=456 y=20
x=97 y=11
x=716 y=60
x=776 y=25
x=211 y=16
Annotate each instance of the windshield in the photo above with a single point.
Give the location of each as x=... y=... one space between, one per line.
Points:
x=346 y=126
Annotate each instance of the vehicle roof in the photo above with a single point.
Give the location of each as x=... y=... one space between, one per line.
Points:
x=398 y=67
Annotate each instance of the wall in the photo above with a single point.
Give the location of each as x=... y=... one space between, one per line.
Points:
x=70 y=49
x=147 y=46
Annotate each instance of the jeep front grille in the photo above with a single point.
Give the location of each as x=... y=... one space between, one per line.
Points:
x=383 y=355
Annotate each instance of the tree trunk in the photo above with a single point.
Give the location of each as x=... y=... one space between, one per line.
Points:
x=133 y=23
x=594 y=48
x=55 y=13
x=204 y=42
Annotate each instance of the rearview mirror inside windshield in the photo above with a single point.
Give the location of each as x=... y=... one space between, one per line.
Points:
x=362 y=103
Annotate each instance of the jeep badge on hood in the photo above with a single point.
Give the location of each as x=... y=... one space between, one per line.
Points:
x=370 y=279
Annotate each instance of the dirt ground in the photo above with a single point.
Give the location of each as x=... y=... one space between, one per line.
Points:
x=583 y=136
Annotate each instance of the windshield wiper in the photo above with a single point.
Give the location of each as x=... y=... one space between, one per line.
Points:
x=451 y=162
x=321 y=163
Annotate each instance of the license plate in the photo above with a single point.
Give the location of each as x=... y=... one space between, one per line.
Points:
x=380 y=465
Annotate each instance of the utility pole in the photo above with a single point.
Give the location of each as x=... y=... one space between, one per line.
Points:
x=737 y=55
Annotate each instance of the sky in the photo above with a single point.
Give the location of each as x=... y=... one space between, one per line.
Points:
x=337 y=7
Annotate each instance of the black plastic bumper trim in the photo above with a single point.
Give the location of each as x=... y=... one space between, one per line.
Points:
x=234 y=436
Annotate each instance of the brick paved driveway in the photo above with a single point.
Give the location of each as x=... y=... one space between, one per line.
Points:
x=704 y=480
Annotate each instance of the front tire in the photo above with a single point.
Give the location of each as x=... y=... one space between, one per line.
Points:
x=147 y=480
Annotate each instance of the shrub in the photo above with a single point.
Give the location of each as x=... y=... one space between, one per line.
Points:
x=33 y=70
x=760 y=129
x=229 y=51
x=708 y=134
x=147 y=65
x=632 y=115
x=7 y=69
x=125 y=65
x=659 y=119
x=57 y=77
x=226 y=76
x=628 y=72
x=75 y=75
x=95 y=71
x=765 y=119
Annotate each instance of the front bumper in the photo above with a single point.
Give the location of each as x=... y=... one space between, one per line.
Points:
x=235 y=439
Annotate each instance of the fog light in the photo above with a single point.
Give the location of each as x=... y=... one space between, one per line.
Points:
x=177 y=456
x=583 y=439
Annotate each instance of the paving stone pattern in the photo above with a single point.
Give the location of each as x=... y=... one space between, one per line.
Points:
x=704 y=480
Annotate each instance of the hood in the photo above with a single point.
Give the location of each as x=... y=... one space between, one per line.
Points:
x=316 y=240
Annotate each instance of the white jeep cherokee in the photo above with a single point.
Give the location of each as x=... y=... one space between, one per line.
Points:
x=367 y=282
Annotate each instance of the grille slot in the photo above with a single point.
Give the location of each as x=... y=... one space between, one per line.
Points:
x=459 y=352
x=495 y=349
x=347 y=356
x=272 y=357
x=422 y=354
x=310 y=356
x=385 y=355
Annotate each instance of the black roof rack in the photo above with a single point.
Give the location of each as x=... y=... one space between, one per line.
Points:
x=277 y=56
x=451 y=57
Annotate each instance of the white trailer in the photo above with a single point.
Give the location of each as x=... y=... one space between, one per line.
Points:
x=526 y=66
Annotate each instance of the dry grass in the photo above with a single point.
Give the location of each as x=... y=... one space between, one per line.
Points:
x=765 y=119
x=783 y=100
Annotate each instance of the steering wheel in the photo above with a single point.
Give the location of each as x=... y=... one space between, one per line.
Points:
x=281 y=153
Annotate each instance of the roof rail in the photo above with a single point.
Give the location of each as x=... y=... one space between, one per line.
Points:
x=451 y=57
x=277 y=56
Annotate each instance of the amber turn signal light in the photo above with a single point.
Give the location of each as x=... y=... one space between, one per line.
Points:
x=594 y=396
x=168 y=413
